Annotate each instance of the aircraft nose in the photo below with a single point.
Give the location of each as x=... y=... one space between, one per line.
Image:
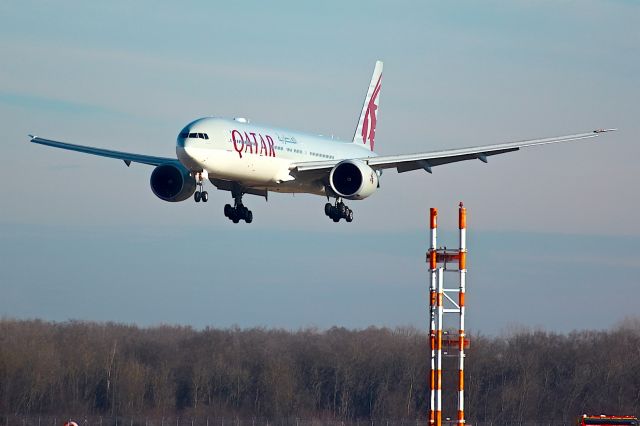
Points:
x=183 y=139
x=185 y=150
x=189 y=149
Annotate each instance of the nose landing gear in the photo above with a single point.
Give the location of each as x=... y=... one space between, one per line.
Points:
x=339 y=211
x=200 y=195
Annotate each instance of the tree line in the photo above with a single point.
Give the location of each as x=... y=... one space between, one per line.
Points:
x=336 y=374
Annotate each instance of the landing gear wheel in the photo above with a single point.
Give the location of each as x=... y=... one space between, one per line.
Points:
x=338 y=211
x=200 y=194
x=234 y=216
x=238 y=211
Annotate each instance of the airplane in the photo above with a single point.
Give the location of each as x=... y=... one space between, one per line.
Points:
x=239 y=156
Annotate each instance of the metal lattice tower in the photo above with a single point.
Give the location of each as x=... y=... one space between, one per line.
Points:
x=443 y=301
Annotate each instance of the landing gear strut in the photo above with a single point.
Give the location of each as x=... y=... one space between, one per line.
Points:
x=238 y=212
x=338 y=211
x=200 y=194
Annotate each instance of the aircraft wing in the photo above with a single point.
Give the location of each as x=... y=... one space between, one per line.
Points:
x=427 y=160
x=127 y=157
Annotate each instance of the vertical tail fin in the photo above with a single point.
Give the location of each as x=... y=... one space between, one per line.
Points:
x=366 y=130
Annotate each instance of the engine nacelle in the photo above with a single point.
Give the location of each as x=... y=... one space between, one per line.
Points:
x=353 y=180
x=172 y=183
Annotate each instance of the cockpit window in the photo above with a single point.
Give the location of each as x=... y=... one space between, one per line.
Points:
x=194 y=135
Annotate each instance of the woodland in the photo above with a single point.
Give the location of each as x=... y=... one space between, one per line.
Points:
x=110 y=369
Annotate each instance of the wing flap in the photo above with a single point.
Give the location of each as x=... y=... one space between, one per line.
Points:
x=426 y=164
x=313 y=165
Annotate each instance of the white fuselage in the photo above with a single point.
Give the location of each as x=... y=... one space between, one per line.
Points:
x=257 y=156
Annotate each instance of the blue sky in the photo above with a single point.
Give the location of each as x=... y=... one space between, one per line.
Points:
x=554 y=229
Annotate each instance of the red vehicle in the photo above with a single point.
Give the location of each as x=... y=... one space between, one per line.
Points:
x=608 y=420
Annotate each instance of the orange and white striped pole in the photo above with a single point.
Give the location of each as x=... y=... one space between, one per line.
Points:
x=462 y=226
x=440 y=308
x=433 y=224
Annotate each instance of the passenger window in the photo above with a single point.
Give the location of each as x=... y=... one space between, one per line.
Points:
x=206 y=136
x=193 y=135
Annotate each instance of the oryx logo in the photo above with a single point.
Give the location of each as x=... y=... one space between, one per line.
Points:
x=370 y=116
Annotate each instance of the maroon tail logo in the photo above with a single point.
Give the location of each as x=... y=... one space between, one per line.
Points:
x=370 y=116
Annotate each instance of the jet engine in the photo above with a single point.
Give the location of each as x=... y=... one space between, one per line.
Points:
x=172 y=183
x=353 y=180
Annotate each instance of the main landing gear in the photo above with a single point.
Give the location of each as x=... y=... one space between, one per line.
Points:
x=339 y=211
x=238 y=212
x=200 y=195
